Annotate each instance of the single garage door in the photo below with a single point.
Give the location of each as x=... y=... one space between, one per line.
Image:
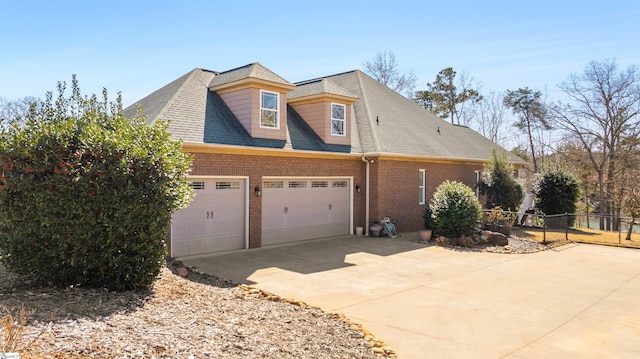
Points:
x=213 y=222
x=301 y=209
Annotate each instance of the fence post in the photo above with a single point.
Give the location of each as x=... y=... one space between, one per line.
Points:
x=544 y=228
x=566 y=226
x=619 y=230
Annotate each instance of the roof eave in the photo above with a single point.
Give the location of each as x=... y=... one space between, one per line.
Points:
x=252 y=82
x=322 y=97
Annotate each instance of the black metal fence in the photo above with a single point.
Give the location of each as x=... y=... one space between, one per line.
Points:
x=559 y=226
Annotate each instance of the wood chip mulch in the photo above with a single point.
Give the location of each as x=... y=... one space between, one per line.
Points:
x=200 y=316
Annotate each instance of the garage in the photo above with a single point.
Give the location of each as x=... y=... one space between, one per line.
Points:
x=214 y=221
x=297 y=209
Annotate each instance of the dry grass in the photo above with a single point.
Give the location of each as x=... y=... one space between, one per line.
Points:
x=13 y=323
x=582 y=235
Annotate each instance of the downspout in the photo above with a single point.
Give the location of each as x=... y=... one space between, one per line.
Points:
x=366 y=215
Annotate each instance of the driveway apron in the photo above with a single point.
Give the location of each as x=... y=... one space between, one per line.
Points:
x=580 y=301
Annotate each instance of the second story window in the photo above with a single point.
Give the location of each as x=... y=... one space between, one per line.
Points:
x=269 y=109
x=338 y=119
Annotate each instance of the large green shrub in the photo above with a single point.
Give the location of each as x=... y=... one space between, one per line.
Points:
x=455 y=208
x=556 y=191
x=86 y=195
x=499 y=185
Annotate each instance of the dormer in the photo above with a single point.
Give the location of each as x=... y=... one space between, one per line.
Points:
x=257 y=97
x=326 y=107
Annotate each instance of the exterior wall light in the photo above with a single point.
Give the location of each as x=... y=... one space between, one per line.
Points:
x=257 y=191
x=358 y=188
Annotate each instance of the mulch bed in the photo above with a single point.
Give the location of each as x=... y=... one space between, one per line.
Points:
x=200 y=316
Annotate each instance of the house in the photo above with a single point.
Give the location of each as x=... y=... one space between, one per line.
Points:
x=276 y=162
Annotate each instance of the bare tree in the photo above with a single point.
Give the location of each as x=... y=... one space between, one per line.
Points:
x=491 y=121
x=467 y=110
x=384 y=68
x=603 y=115
x=16 y=110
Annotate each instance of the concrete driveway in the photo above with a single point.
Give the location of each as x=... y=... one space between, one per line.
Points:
x=577 y=301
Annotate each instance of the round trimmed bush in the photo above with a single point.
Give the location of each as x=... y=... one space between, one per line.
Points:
x=455 y=208
x=86 y=195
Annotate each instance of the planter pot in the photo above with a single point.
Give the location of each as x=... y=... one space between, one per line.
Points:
x=425 y=235
x=375 y=233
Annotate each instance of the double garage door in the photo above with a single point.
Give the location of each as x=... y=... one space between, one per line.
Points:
x=293 y=209
x=301 y=209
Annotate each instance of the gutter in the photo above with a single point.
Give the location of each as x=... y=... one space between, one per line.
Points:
x=279 y=152
x=366 y=219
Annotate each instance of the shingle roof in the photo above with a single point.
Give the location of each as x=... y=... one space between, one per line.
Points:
x=318 y=86
x=199 y=115
x=383 y=121
x=255 y=70
x=390 y=123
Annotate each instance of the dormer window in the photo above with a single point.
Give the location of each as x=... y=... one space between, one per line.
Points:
x=338 y=119
x=269 y=112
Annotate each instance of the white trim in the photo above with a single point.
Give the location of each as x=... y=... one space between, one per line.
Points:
x=352 y=229
x=422 y=187
x=305 y=177
x=246 y=212
x=344 y=120
x=478 y=175
x=279 y=152
x=277 y=127
x=196 y=177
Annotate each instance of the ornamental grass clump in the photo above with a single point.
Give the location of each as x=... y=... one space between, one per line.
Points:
x=86 y=195
x=455 y=210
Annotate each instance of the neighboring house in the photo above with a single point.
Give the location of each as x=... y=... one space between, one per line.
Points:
x=277 y=162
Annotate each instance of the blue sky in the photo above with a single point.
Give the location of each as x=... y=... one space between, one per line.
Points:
x=138 y=46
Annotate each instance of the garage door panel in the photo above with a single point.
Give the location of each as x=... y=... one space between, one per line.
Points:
x=214 y=220
x=304 y=209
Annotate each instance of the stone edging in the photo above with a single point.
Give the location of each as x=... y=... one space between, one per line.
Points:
x=377 y=345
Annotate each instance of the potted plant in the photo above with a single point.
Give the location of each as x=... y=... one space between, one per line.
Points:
x=375 y=229
x=500 y=221
x=427 y=232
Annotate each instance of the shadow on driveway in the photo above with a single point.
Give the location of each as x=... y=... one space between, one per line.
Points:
x=301 y=257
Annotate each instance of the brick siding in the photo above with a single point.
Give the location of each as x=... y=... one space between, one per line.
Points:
x=393 y=193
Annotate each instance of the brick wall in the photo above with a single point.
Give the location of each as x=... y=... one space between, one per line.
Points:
x=258 y=166
x=393 y=192
x=397 y=190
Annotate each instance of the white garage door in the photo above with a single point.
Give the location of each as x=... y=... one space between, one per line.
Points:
x=213 y=222
x=300 y=209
